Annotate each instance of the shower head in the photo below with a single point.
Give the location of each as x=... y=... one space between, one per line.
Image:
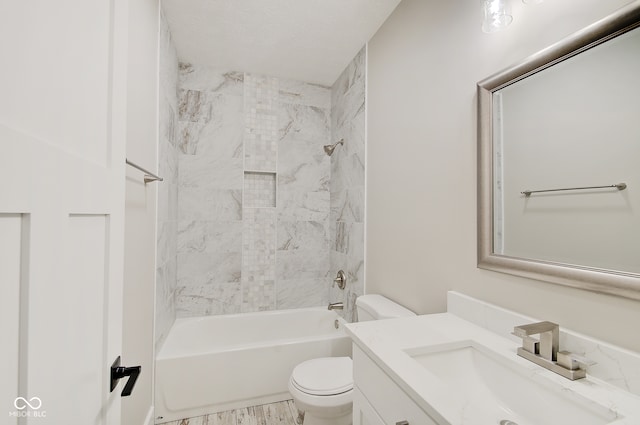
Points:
x=328 y=149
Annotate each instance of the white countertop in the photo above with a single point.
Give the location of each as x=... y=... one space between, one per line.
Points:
x=384 y=342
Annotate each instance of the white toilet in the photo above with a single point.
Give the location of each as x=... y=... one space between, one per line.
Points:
x=322 y=388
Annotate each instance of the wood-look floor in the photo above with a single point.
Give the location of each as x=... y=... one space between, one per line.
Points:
x=281 y=413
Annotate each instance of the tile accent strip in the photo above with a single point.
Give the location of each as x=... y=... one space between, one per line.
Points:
x=261 y=123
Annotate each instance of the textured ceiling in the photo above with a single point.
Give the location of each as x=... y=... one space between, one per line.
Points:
x=305 y=40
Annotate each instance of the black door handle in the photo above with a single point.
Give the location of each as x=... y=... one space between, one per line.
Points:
x=118 y=372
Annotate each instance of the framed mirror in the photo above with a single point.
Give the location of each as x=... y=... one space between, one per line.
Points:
x=558 y=161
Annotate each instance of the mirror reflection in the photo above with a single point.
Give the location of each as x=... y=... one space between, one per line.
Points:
x=566 y=117
x=574 y=125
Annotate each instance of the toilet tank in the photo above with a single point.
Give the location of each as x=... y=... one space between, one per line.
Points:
x=377 y=307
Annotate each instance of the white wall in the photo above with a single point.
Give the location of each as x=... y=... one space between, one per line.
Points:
x=140 y=213
x=423 y=66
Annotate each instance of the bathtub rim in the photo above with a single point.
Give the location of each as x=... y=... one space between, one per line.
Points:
x=162 y=355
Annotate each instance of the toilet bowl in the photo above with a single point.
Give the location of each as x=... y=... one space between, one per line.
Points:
x=322 y=388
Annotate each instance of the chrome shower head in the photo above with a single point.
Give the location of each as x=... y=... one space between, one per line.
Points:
x=328 y=149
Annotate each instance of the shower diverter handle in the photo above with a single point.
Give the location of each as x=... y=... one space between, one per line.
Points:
x=341 y=279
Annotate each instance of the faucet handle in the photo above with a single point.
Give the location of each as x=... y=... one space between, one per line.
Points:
x=341 y=280
x=573 y=361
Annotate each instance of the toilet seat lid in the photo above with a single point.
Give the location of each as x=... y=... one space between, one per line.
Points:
x=324 y=376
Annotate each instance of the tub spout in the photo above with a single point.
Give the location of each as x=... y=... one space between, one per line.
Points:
x=335 y=306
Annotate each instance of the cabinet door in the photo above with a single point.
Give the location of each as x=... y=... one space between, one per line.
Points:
x=363 y=412
x=391 y=403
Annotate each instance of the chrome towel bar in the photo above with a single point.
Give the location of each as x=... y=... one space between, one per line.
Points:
x=148 y=175
x=619 y=186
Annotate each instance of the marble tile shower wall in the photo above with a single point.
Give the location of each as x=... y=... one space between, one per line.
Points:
x=166 y=270
x=347 y=181
x=243 y=139
x=302 y=267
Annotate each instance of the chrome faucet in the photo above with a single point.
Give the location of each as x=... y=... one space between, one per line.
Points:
x=549 y=333
x=545 y=351
x=335 y=306
x=340 y=280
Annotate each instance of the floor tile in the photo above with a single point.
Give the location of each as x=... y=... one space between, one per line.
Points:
x=222 y=418
x=280 y=413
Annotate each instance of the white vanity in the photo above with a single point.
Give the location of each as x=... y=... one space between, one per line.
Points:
x=374 y=387
x=461 y=367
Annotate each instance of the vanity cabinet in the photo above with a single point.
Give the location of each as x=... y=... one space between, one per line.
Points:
x=380 y=401
x=363 y=412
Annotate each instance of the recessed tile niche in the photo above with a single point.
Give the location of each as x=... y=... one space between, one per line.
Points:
x=259 y=189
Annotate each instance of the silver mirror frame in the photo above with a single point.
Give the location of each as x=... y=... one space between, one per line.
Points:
x=588 y=278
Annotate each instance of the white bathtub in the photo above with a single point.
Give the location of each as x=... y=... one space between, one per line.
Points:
x=216 y=363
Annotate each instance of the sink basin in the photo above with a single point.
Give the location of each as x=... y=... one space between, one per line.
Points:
x=487 y=388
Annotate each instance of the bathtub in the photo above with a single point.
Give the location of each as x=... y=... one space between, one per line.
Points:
x=216 y=363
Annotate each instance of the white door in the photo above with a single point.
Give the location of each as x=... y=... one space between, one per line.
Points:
x=62 y=144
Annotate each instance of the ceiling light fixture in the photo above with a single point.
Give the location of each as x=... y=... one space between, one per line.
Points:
x=497 y=15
